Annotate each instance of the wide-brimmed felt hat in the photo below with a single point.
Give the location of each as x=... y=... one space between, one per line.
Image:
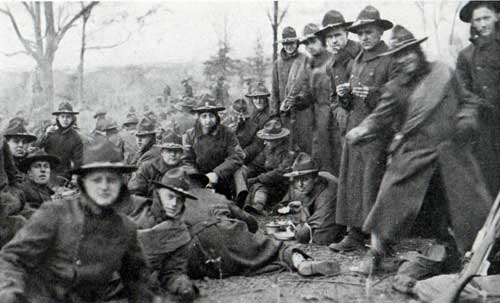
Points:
x=289 y=35
x=170 y=141
x=39 y=155
x=208 y=105
x=102 y=155
x=65 y=108
x=16 y=129
x=309 y=32
x=185 y=103
x=194 y=174
x=110 y=125
x=273 y=130
x=101 y=125
x=146 y=127
x=368 y=16
x=99 y=113
x=175 y=180
x=258 y=90
x=131 y=120
x=303 y=165
x=240 y=107
x=332 y=20
x=468 y=8
x=402 y=39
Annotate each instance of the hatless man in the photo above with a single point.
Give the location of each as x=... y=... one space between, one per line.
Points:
x=479 y=88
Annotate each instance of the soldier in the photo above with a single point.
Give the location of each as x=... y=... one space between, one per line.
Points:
x=188 y=90
x=146 y=139
x=362 y=168
x=112 y=134
x=64 y=142
x=477 y=73
x=425 y=160
x=17 y=140
x=127 y=134
x=259 y=97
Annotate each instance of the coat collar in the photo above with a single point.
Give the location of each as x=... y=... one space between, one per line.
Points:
x=40 y=187
x=285 y=56
x=161 y=166
x=374 y=53
x=320 y=59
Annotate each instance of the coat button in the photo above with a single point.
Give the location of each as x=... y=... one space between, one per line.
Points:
x=78 y=262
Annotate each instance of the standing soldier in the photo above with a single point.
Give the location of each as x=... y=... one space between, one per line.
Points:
x=63 y=141
x=479 y=79
x=362 y=168
x=345 y=50
x=188 y=90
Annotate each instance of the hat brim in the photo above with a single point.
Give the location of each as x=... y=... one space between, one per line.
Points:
x=25 y=165
x=403 y=47
x=120 y=167
x=170 y=146
x=307 y=38
x=384 y=24
x=142 y=134
x=329 y=27
x=257 y=95
x=466 y=11
x=100 y=114
x=297 y=173
x=265 y=136
x=65 y=112
x=289 y=40
x=208 y=109
x=31 y=138
x=175 y=189
x=130 y=123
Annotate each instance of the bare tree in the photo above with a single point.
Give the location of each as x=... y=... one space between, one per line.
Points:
x=275 y=23
x=258 y=65
x=49 y=29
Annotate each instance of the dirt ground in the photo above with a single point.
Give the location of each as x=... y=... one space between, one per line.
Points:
x=290 y=287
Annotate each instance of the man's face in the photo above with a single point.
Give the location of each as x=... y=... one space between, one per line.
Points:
x=207 y=121
x=314 y=46
x=259 y=102
x=171 y=202
x=336 y=39
x=39 y=172
x=65 y=119
x=171 y=157
x=18 y=146
x=143 y=140
x=304 y=184
x=290 y=47
x=408 y=61
x=369 y=36
x=483 y=20
x=103 y=186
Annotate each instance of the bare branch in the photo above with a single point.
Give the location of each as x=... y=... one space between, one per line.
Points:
x=68 y=25
x=14 y=53
x=270 y=18
x=24 y=41
x=283 y=15
x=29 y=9
x=100 y=47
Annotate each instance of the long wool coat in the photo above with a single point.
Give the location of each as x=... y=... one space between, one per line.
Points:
x=362 y=167
x=140 y=183
x=70 y=250
x=425 y=111
x=477 y=72
x=280 y=76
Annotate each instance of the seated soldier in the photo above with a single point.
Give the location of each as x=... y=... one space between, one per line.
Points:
x=170 y=157
x=112 y=133
x=146 y=139
x=218 y=239
x=35 y=189
x=312 y=199
x=265 y=174
x=18 y=139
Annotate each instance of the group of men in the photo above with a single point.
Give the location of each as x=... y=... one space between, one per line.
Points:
x=360 y=141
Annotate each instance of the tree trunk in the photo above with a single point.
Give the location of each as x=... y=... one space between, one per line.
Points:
x=275 y=31
x=47 y=83
x=81 y=64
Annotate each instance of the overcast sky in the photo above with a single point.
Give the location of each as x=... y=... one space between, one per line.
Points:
x=184 y=31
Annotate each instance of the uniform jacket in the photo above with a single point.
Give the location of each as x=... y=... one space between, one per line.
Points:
x=246 y=133
x=317 y=216
x=34 y=194
x=362 y=167
x=274 y=162
x=76 y=248
x=140 y=183
x=339 y=72
x=424 y=110
x=66 y=144
x=477 y=72
x=218 y=151
x=146 y=154
x=280 y=77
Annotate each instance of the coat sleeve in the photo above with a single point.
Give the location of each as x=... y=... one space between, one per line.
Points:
x=25 y=251
x=469 y=101
x=135 y=272
x=391 y=72
x=77 y=152
x=139 y=182
x=174 y=268
x=252 y=150
x=235 y=157
x=383 y=115
x=275 y=176
x=274 y=103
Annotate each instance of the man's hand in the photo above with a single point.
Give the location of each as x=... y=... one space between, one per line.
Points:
x=355 y=135
x=51 y=129
x=212 y=178
x=361 y=91
x=343 y=89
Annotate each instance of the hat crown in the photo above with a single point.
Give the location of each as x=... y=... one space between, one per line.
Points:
x=259 y=89
x=304 y=162
x=102 y=151
x=400 y=35
x=175 y=177
x=310 y=29
x=171 y=138
x=111 y=124
x=288 y=32
x=272 y=127
x=369 y=13
x=145 y=125
x=101 y=124
x=332 y=17
x=15 y=126
x=65 y=107
x=131 y=119
x=240 y=106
